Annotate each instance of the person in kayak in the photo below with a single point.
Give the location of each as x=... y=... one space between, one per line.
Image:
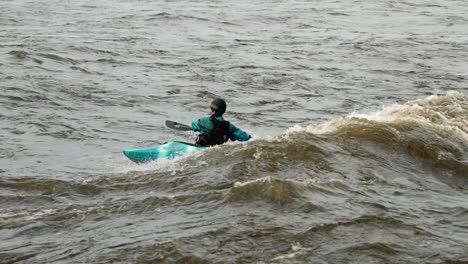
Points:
x=214 y=130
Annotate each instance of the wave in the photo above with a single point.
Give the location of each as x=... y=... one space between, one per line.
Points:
x=270 y=189
x=445 y=116
x=296 y=193
x=434 y=128
x=413 y=146
x=402 y=144
x=49 y=187
x=22 y=55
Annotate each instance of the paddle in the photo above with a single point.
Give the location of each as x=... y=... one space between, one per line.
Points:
x=177 y=126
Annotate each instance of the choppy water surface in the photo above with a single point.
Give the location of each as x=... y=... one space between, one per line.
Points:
x=358 y=109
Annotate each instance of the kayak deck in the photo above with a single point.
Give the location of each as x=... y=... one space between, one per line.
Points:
x=168 y=150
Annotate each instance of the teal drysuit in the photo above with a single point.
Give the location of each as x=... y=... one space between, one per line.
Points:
x=204 y=125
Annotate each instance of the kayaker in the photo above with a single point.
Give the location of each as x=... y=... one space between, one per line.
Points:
x=214 y=130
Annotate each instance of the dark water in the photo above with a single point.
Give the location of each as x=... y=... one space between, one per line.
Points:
x=358 y=110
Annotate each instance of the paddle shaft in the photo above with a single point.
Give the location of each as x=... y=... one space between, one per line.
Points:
x=177 y=126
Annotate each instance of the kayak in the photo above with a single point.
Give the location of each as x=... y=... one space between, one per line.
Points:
x=169 y=150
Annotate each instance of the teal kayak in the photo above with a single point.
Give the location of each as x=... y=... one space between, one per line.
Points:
x=168 y=150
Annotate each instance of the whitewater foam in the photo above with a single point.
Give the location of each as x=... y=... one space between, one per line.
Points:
x=444 y=115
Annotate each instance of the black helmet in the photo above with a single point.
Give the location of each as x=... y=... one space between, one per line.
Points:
x=219 y=106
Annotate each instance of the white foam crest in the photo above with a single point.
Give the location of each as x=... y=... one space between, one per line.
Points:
x=284 y=136
x=41 y=213
x=260 y=180
x=445 y=115
x=171 y=166
x=10 y=214
x=28 y=215
x=434 y=107
x=297 y=250
x=269 y=180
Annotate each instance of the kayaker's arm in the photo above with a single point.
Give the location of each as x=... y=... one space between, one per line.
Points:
x=238 y=134
x=196 y=125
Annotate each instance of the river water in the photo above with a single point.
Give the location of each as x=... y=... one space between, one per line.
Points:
x=358 y=109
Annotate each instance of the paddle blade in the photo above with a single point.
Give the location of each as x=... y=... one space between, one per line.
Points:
x=177 y=126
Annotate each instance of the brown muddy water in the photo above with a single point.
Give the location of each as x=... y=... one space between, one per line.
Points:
x=358 y=109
